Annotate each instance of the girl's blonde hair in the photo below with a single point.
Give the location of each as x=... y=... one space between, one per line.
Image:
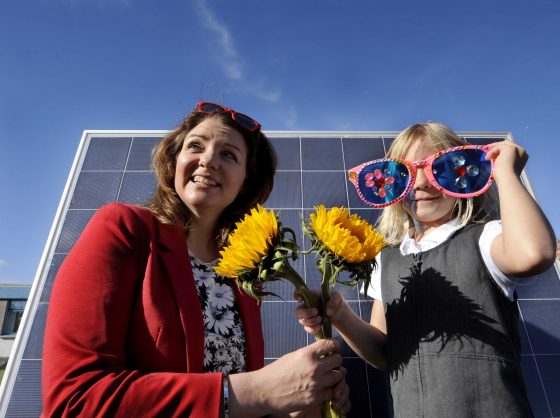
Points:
x=394 y=222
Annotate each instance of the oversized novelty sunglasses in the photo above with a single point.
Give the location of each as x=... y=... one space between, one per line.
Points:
x=461 y=171
x=242 y=120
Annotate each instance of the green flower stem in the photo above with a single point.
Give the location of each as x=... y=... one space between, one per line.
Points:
x=329 y=278
x=325 y=268
x=288 y=272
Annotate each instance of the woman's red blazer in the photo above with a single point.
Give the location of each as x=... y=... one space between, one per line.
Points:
x=124 y=333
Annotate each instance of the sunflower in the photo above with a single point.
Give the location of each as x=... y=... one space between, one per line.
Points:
x=260 y=248
x=348 y=237
x=342 y=243
x=249 y=243
x=258 y=251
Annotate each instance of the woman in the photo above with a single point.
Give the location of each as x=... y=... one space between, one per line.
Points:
x=138 y=322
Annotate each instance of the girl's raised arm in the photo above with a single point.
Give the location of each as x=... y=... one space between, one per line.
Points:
x=526 y=245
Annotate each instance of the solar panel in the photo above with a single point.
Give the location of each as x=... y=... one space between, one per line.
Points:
x=115 y=166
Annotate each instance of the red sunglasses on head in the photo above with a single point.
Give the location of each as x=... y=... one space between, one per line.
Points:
x=246 y=122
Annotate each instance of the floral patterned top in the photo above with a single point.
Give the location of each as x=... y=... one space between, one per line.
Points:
x=224 y=343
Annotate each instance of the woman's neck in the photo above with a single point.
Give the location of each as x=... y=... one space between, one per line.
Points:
x=201 y=240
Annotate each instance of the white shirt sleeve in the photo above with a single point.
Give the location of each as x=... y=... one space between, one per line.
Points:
x=374 y=289
x=507 y=283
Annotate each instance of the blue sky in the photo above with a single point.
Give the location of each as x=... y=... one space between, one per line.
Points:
x=71 y=65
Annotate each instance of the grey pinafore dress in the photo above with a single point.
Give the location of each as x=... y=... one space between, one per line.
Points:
x=453 y=341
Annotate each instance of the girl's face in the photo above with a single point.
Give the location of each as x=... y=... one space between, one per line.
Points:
x=211 y=168
x=425 y=204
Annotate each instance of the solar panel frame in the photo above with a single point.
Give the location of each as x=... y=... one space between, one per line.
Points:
x=324 y=157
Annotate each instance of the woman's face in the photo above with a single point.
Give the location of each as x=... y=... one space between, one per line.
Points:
x=211 y=168
x=425 y=203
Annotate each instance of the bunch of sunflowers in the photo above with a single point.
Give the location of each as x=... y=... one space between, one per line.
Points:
x=260 y=250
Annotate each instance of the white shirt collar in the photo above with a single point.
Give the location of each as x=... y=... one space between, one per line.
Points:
x=439 y=235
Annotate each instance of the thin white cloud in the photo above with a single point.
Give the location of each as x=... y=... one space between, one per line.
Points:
x=290 y=117
x=260 y=90
x=229 y=58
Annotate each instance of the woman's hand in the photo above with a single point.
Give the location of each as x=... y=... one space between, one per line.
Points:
x=340 y=402
x=306 y=377
x=341 y=397
x=295 y=382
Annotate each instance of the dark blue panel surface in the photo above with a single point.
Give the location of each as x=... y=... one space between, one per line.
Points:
x=543 y=324
x=535 y=390
x=25 y=401
x=525 y=343
x=387 y=142
x=282 y=333
x=53 y=269
x=321 y=154
x=379 y=393
x=106 y=154
x=286 y=192
x=74 y=224
x=34 y=347
x=137 y=187
x=327 y=188
x=95 y=189
x=359 y=395
x=481 y=141
x=545 y=285
x=140 y=157
x=288 y=153
x=549 y=367
x=360 y=150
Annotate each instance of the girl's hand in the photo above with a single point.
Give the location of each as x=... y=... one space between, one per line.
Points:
x=508 y=157
x=311 y=318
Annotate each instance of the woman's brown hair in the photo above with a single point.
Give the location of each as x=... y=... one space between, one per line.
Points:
x=167 y=206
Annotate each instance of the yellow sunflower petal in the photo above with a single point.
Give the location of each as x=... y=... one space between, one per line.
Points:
x=349 y=237
x=248 y=243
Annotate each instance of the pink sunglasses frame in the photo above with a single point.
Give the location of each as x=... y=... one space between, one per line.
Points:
x=426 y=165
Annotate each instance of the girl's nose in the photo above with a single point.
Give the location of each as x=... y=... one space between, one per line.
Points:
x=421 y=179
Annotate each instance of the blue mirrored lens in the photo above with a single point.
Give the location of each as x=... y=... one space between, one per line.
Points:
x=245 y=121
x=383 y=182
x=211 y=107
x=462 y=171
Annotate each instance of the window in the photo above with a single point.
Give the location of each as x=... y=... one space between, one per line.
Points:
x=14 y=312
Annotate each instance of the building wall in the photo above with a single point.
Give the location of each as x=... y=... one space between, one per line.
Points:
x=5 y=342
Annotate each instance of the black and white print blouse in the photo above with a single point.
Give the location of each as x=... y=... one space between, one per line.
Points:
x=224 y=342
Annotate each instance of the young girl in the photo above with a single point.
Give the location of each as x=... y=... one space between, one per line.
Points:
x=444 y=321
